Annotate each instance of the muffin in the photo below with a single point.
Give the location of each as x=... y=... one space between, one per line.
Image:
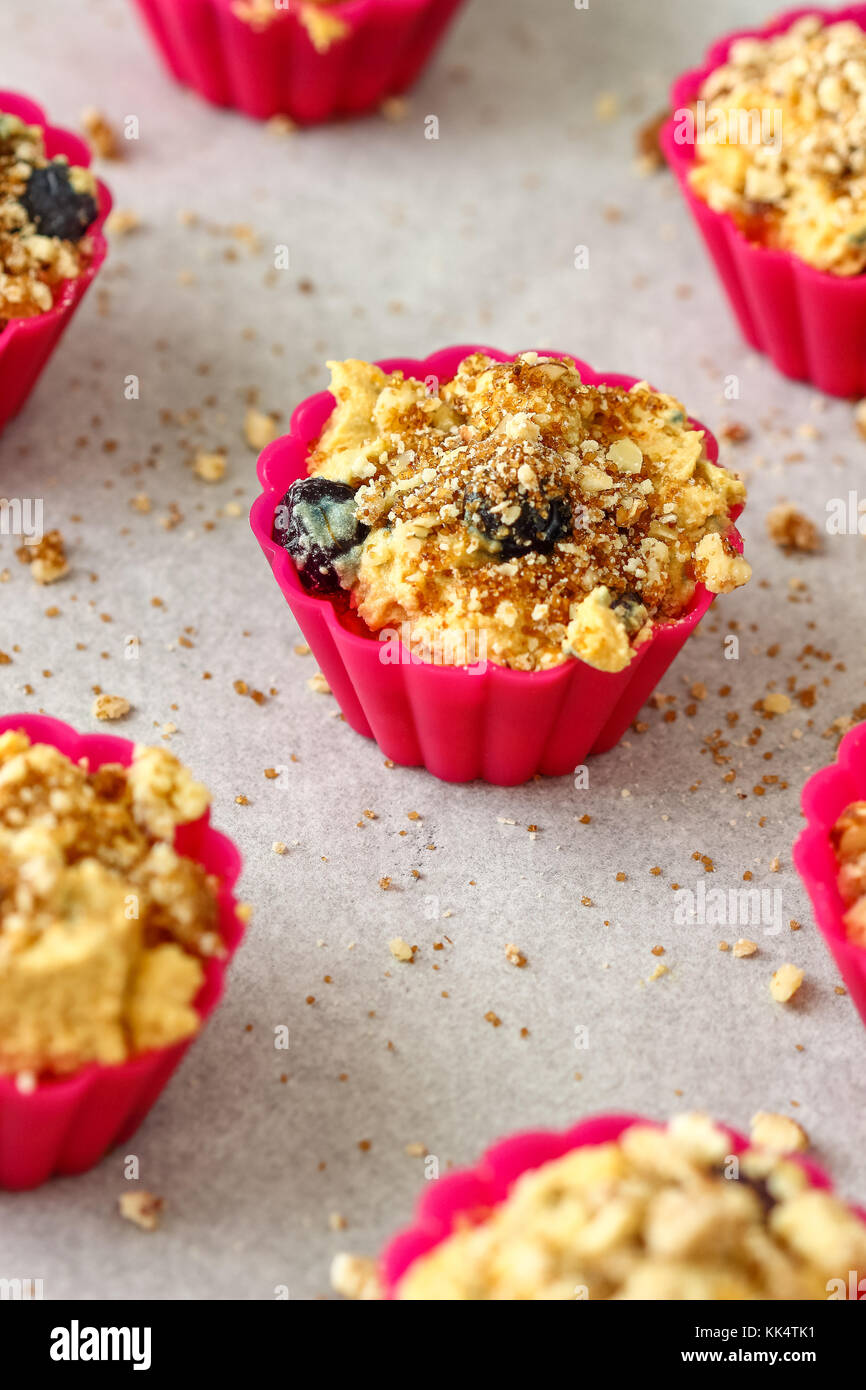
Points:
x=530 y=543
x=308 y=60
x=767 y=141
x=623 y=1209
x=51 y=244
x=111 y=926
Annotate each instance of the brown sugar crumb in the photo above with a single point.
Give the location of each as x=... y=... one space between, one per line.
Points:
x=412 y=815
x=778 y=1132
x=658 y=950
x=142 y=1208
x=493 y=1019
x=791 y=530
x=110 y=707
x=515 y=956
x=365 y=1145
x=47 y=559
x=785 y=983
x=100 y=134
x=648 y=145
x=735 y=433
x=271 y=773
x=242 y=800
x=386 y=883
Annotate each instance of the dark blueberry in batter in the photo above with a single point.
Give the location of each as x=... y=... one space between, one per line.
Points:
x=536 y=528
x=630 y=611
x=318 y=525
x=53 y=204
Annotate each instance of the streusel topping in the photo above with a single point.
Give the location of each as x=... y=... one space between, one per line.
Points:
x=849 y=842
x=661 y=1214
x=802 y=185
x=103 y=925
x=46 y=206
x=547 y=517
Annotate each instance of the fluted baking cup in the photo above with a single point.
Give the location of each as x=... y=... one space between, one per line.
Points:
x=825 y=797
x=469 y=1196
x=273 y=68
x=460 y=722
x=811 y=324
x=66 y=1125
x=27 y=344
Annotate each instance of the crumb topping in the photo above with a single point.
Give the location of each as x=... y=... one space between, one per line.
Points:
x=520 y=506
x=661 y=1214
x=802 y=184
x=33 y=263
x=103 y=925
x=849 y=842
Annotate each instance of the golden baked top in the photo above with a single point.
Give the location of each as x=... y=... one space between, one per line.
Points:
x=849 y=842
x=792 y=165
x=661 y=1214
x=543 y=516
x=103 y=926
x=46 y=207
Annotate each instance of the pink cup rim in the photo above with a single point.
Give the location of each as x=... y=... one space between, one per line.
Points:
x=307 y=421
x=830 y=786
x=476 y=1191
x=686 y=88
x=99 y=749
x=58 y=140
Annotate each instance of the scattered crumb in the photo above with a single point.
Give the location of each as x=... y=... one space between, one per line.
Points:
x=210 y=467
x=401 y=950
x=142 y=1208
x=122 y=221
x=47 y=559
x=110 y=707
x=776 y=703
x=791 y=530
x=515 y=956
x=318 y=684
x=355 y=1277
x=259 y=429
x=785 y=983
x=100 y=134
x=744 y=947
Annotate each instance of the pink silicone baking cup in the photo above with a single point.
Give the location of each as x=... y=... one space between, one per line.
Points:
x=469 y=1195
x=497 y=724
x=812 y=325
x=27 y=344
x=825 y=797
x=275 y=69
x=67 y=1125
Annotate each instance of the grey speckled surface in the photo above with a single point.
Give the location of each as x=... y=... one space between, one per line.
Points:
x=408 y=244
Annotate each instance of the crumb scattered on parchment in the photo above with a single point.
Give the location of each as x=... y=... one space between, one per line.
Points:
x=337 y=1222
x=318 y=684
x=791 y=530
x=744 y=947
x=122 y=221
x=394 y=108
x=661 y=969
x=280 y=847
x=735 y=433
x=141 y=1208
x=860 y=418
x=776 y=703
x=648 y=145
x=355 y=1277
x=101 y=134
x=259 y=429
x=416 y=1150
x=110 y=707
x=778 y=1132
x=401 y=950
x=210 y=467
x=514 y=955
x=785 y=982
x=47 y=559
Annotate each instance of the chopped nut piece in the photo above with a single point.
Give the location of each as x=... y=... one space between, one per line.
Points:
x=744 y=947
x=142 y=1208
x=785 y=983
x=778 y=1132
x=515 y=956
x=47 y=559
x=401 y=950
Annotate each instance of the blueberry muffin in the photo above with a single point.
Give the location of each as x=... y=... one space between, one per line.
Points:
x=46 y=209
x=798 y=183
x=514 y=509
x=104 y=927
x=661 y=1214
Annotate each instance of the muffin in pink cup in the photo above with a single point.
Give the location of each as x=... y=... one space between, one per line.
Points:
x=621 y=1207
x=310 y=60
x=487 y=596
x=52 y=212
x=830 y=856
x=117 y=925
x=766 y=143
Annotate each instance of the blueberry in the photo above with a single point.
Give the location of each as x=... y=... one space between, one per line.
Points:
x=318 y=524
x=536 y=527
x=630 y=611
x=55 y=207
